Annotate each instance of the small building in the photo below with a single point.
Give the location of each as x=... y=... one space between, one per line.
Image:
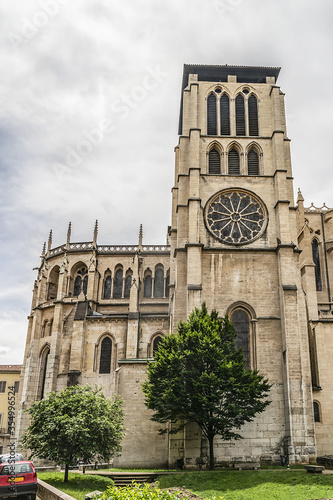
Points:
x=9 y=387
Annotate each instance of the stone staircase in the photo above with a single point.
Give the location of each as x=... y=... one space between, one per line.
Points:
x=126 y=478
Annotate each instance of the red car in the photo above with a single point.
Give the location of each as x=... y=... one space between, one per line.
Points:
x=18 y=478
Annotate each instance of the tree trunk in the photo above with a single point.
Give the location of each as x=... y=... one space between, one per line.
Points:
x=66 y=473
x=211 y=452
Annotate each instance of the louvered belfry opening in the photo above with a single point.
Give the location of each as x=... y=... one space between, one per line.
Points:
x=233 y=162
x=211 y=115
x=214 y=162
x=253 y=163
x=253 y=115
x=240 y=115
x=225 y=115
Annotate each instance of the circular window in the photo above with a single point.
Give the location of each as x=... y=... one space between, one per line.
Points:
x=236 y=216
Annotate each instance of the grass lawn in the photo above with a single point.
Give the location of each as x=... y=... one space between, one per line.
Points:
x=254 y=485
x=78 y=484
x=231 y=485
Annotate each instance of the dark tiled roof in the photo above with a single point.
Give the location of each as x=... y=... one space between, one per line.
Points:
x=10 y=368
x=245 y=74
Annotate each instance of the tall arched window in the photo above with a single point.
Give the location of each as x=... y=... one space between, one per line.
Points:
x=159 y=283
x=156 y=342
x=240 y=115
x=43 y=372
x=211 y=115
x=316 y=260
x=118 y=284
x=105 y=356
x=253 y=162
x=233 y=162
x=107 y=287
x=214 y=162
x=81 y=281
x=85 y=285
x=147 y=286
x=167 y=283
x=253 y=115
x=77 y=286
x=50 y=325
x=316 y=411
x=44 y=330
x=224 y=115
x=128 y=284
x=52 y=287
x=240 y=320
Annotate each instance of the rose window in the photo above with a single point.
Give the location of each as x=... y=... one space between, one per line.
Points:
x=236 y=216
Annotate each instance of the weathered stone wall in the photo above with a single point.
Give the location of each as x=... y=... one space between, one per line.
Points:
x=324 y=397
x=142 y=446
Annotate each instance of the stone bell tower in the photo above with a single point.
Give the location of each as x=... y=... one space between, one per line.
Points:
x=233 y=245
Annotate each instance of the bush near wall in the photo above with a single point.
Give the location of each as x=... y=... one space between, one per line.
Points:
x=326 y=461
x=137 y=492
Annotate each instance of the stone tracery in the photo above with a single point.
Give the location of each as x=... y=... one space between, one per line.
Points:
x=236 y=216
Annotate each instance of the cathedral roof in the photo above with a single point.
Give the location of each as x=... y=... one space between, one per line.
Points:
x=245 y=74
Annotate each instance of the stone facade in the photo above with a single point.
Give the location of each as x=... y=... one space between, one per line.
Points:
x=238 y=242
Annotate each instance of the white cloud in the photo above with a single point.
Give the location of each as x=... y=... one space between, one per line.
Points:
x=13 y=328
x=85 y=61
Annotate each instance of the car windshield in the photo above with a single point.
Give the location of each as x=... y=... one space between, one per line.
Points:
x=17 y=468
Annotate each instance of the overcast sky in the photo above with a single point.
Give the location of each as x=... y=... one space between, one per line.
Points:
x=90 y=95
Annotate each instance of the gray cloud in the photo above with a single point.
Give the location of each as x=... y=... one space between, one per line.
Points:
x=64 y=74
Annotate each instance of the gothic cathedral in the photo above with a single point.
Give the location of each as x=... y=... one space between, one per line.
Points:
x=238 y=242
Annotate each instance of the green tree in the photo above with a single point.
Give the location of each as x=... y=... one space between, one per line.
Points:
x=78 y=422
x=199 y=376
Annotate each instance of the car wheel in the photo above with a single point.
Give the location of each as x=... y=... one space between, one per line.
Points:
x=32 y=496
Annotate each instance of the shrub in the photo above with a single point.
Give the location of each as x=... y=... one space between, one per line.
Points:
x=135 y=492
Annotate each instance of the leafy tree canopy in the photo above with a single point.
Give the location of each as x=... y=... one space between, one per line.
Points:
x=199 y=376
x=78 y=422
